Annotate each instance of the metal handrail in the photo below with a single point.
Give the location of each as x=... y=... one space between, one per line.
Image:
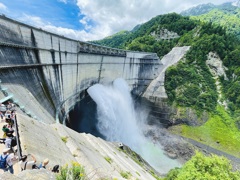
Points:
x=19 y=149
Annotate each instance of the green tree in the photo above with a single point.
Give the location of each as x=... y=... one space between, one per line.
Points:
x=202 y=167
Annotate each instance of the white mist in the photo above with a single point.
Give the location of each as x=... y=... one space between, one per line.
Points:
x=118 y=121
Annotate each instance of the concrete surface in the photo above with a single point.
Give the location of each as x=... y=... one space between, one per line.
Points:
x=45 y=141
x=156 y=88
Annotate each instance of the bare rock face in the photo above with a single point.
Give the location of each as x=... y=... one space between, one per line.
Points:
x=187 y=116
x=156 y=88
x=162 y=34
x=217 y=69
x=175 y=147
x=170 y=115
x=179 y=149
x=216 y=65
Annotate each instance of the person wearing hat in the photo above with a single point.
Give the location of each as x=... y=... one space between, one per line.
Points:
x=24 y=164
x=9 y=160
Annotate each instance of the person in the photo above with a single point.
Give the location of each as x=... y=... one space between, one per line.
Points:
x=44 y=163
x=3 y=108
x=8 y=140
x=9 y=105
x=1 y=115
x=9 y=160
x=24 y=164
x=8 y=117
x=13 y=115
x=6 y=130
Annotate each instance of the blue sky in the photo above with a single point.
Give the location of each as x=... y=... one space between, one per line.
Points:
x=57 y=12
x=91 y=19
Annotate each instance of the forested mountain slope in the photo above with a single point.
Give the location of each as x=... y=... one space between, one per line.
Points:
x=226 y=15
x=140 y=38
x=207 y=80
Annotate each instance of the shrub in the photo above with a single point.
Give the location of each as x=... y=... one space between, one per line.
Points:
x=126 y=175
x=64 y=139
x=75 y=171
x=108 y=159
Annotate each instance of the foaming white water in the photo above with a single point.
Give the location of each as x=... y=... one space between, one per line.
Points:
x=119 y=121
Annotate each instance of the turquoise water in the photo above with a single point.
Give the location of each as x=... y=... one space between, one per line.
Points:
x=119 y=121
x=155 y=156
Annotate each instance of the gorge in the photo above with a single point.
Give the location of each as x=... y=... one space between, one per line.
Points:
x=45 y=75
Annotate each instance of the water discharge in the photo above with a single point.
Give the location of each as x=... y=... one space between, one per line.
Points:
x=119 y=121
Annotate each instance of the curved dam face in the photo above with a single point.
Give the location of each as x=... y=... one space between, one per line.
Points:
x=47 y=74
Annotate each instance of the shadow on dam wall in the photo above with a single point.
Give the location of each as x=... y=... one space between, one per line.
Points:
x=83 y=117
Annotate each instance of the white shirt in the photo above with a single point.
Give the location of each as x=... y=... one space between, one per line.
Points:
x=8 y=142
x=28 y=166
x=3 y=108
x=9 y=158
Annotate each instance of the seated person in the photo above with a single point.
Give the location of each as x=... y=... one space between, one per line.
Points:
x=25 y=164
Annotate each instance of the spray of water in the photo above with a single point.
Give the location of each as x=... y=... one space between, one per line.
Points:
x=119 y=121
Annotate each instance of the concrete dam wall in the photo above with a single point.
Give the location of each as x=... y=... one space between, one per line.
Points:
x=46 y=74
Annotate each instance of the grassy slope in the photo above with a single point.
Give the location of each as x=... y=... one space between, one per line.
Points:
x=219 y=128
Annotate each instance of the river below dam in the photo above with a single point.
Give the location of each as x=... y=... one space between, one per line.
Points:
x=110 y=113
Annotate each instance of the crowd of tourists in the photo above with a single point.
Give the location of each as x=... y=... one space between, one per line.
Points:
x=9 y=155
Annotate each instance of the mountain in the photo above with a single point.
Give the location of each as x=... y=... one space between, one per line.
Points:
x=164 y=32
x=116 y=41
x=206 y=8
x=163 y=25
x=205 y=83
x=198 y=10
x=226 y=15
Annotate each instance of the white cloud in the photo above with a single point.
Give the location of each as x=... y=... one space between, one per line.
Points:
x=81 y=35
x=85 y=22
x=3 y=7
x=113 y=16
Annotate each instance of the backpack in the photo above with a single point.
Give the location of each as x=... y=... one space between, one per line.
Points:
x=35 y=166
x=55 y=169
x=3 y=162
x=14 y=141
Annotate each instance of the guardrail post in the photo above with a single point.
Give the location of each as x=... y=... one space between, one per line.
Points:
x=19 y=150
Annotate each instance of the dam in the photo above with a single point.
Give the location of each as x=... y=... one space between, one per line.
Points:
x=46 y=74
